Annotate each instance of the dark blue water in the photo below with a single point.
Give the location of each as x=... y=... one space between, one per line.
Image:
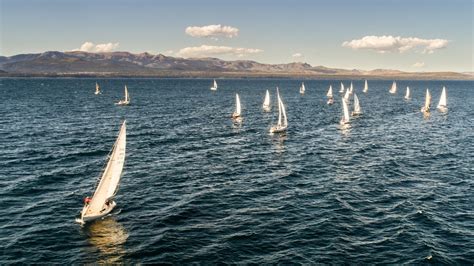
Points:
x=395 y=187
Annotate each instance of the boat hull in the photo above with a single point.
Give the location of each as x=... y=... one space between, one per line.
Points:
x=105 y=212
x=277 y=129
x=123 y=103
x=213 y=88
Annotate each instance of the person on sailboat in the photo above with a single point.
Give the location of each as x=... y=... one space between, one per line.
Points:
x=87 y=200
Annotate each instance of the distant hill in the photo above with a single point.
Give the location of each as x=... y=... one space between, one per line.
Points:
x=78 y=63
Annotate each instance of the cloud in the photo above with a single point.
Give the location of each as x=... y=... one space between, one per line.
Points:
x=209 y=50
x=419 y=64
x=98 y=48
x=386 y=44
x=212 y=31
x=297 y=55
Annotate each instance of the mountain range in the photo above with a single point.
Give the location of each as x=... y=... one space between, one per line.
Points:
x=78 y=63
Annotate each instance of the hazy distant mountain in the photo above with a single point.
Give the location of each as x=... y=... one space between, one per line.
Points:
x=145 y=64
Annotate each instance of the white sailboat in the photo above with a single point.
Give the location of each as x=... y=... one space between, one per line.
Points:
x=347 y=95
x=426 y=107
x=266 y=102
x=393 y=89
x=282 y=120
x=443 y=105
x=102 y=201
x=214 y=86
x=345 y=116
x=330 y=96
x=357 y=109
x=366 y=87
x=351 y=89
x=126 y=100
x=302 y=88
x=97 y=89
x=407 y=94
x=238 y=108
x=341 y=90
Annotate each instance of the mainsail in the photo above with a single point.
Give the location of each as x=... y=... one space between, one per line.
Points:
x=342 y=88
x=393 y=89
x=357 y=109
x=407 y=95
x=426 y=107
x=329 y=94
x=366 y=87
x=237 y=104
x=443 y=100
x=97 y=88
x=266 y=101
x=345 y=117
x=302 y=88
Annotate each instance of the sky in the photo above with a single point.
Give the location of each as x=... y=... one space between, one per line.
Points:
x=409 y=35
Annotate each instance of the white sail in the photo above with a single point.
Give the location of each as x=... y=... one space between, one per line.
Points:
x=426 y=107
x=366 y=87
x=109 y=181
x=127 y=98
x=351 y=88
x=214 y=86
x=347 y=95
x=284 y=123
x=407 y=94
x=357 y=109
x=97 y=88
x=393 y=89
x=345 y=117
x=342 y=88
x=279 y=108
x=266 y=101
x=443 y=100
x=329 y=94
x=237 y=104
x=302 y=88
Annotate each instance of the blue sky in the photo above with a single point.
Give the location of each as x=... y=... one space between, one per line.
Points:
x=422 y=35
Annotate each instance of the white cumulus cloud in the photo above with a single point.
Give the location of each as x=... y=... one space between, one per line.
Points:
x=419 y=64
x=297 y=55
x=384 y=44
x=212 y=31
x=210 y=50
x=98 y=48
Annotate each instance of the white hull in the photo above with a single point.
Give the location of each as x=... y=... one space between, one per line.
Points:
x=330 y=101
x=97 y=92
x=105 y=212
x=122 y=102
x=354 y=113
x=266 y=108
x=213 y=88
x=442 y=108
x=277 y=129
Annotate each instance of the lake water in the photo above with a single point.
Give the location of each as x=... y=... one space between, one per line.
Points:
x=394 y=187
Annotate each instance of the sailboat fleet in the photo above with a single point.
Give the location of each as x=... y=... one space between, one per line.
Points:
x=101 y=203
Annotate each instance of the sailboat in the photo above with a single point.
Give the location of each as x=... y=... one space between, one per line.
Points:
x=345 y=116
x=282 y=120
x=266 y=102
x=426 y=107
x=347 y=95
x=341 y=90
x=330 y=96
x=302 y=88
x=97 y=89
x=357 y=109
x=214 y=86
x=443 y=105
x=351 y=88
x=238 y=109
x=126 y=100
x=407 y=94
x=102 y=201
x=366 y=87
x=393 y=89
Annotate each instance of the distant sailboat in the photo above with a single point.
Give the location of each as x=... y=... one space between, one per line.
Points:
x=357 y=109
x=238 y=109
x=214 y=86
x=302 y=88
x=351 y=89
x=345 y=116
x=97 y=89
x=366 y=87
x=393 y=89
x=266 y=102
x=126 y=100
x=426 y=107
x=102 y=201
x=407 y=94
x=341 y=90
x=282 y=120
x=443 y=105
x=347 y=96
x=330 y=96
